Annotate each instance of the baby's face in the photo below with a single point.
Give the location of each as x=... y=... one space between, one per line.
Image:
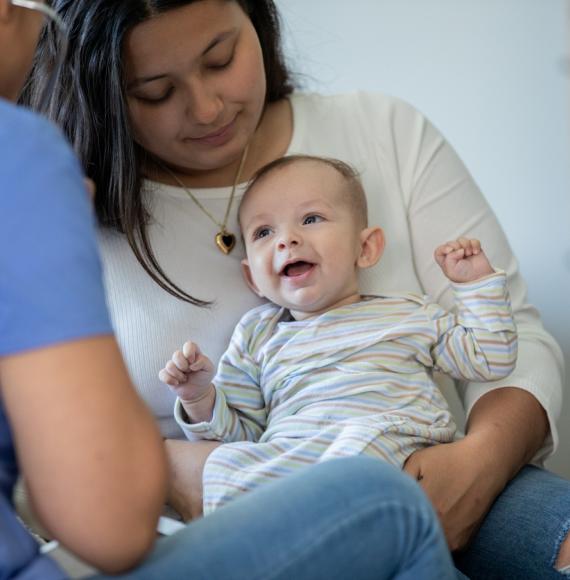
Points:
x=302 y=239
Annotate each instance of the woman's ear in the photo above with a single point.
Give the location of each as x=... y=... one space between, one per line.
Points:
x=371 y=247
x=246 y=271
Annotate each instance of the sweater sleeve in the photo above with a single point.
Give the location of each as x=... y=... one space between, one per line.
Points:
x=444 y=203
x=239 y=410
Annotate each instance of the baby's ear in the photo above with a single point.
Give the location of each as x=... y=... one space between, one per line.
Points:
x=371 y=247
x=246 y=271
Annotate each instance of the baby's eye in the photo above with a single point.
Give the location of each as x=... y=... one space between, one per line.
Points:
x=261 y=233
x=312 y=219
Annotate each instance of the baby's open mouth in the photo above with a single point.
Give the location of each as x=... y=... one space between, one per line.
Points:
x=296 y=269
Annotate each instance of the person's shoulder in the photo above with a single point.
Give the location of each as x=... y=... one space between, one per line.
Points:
x=355 y=102
x=29 y=140
x=22 y=129
x=37 y=161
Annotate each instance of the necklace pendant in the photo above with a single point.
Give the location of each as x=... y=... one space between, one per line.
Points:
x=225 y=242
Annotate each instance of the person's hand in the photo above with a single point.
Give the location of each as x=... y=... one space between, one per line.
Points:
x=461 y=482
x=188 y=373
x=463 y=260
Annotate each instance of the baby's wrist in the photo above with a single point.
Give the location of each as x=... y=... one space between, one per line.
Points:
x=197 y=399
x=201 y=408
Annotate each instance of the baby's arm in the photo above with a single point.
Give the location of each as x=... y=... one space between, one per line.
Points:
x=189 y=374
x=463 y=260
x=480 y=341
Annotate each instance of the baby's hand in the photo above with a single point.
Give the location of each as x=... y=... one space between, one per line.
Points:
x=463 y=260
x=188 y=373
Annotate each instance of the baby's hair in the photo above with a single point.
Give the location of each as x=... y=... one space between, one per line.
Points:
x=356 y=198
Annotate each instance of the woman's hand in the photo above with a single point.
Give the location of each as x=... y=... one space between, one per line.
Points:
x=461 y=481
x=506 y=428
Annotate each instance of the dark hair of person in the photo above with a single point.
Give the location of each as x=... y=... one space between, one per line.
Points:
x=89 y=104
x=355 y=195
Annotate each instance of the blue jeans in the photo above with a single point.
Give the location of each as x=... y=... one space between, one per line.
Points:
x=353 y=518
x=522 y=533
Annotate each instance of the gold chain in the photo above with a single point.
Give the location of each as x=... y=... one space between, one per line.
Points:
x=224 y=240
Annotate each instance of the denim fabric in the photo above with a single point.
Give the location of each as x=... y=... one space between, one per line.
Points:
x=521 y=535
x=355 y=518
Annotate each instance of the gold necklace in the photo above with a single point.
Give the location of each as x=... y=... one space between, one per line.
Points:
x=225 y=241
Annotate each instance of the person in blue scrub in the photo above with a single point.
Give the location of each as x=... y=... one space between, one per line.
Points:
x=89 y=450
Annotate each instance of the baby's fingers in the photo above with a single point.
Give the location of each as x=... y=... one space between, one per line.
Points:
x=471 y=246
x=175 y=372
x=191 y=351
x=181 y=362
x=445 y=250
x=165 y=377
x=201 y=363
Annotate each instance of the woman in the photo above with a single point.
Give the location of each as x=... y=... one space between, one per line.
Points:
x=88 y=448
x=178 y=103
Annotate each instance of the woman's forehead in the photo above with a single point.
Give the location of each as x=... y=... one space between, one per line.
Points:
x=186 y=32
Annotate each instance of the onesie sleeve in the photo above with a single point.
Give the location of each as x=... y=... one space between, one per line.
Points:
x=51 y=288
x=444 y=203
x=239 y=410
x=479 y=341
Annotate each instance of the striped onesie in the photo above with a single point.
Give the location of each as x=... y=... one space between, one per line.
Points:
x=355 y=380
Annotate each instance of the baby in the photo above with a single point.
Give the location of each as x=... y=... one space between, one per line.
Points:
x=322 y=371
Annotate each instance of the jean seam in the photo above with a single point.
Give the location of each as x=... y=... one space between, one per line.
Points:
x=326 y=532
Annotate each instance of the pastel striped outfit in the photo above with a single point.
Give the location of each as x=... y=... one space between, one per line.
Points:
x=355 y=380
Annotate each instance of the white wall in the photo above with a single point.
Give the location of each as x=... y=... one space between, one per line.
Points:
x=494 y=76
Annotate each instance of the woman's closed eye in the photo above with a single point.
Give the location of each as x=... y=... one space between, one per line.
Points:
x=156 y=100
x=221 y=64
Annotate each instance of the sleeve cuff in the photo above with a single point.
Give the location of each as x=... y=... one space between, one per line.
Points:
x=210 y=430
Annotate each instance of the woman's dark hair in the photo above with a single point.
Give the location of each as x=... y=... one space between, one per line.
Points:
x=89 y=104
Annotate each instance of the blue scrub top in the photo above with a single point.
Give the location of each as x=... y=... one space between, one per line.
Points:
x=50 y=283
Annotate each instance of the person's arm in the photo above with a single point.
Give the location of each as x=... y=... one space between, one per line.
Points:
x=189 y=375
x=479 y=341
x=239 y=412
x=87 y=447
x=507 y=419
x=463 y=478
x=90 y=453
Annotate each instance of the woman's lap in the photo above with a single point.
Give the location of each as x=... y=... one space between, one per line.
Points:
x=522 y=533
x=350 y=518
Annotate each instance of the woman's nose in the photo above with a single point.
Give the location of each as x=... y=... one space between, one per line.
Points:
x=204 y=105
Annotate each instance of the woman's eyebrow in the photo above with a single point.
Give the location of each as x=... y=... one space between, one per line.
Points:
x=217 y=40
x=220 y=38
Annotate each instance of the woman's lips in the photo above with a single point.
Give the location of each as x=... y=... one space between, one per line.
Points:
x=218 y=137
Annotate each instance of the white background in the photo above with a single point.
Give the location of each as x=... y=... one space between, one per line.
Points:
x=494 y=77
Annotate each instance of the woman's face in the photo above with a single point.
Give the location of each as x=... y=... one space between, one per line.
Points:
x=195 y=84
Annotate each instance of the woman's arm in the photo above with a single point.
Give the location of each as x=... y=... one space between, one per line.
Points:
x=88 y=448
x=509 y=421
x=476 y=468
